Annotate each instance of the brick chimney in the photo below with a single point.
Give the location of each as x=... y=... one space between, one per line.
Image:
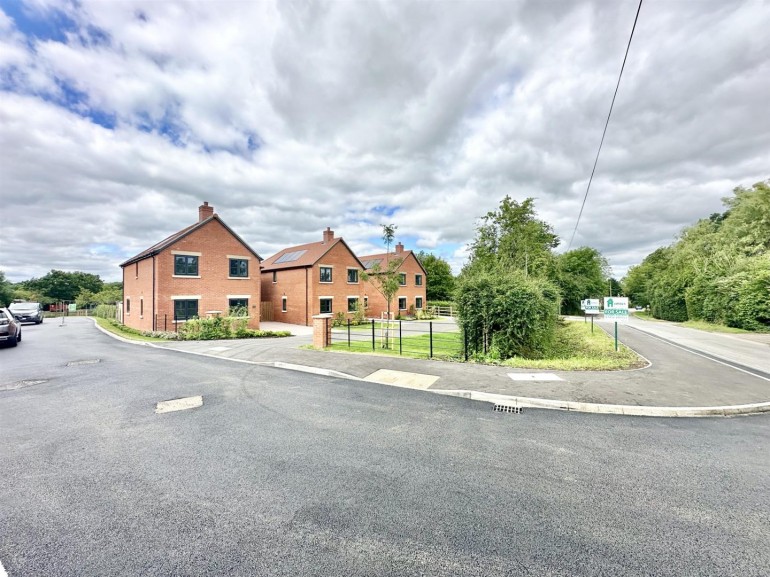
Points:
x=399 y=248
x=205 y=211
x=328 y=235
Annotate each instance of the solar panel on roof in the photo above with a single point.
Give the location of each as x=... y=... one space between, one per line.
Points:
x=290 y=256
x=370 y=263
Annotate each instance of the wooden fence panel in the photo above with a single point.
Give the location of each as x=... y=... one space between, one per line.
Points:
x=266 y=311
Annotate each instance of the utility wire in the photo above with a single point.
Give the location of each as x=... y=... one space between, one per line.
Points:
x=606 y=124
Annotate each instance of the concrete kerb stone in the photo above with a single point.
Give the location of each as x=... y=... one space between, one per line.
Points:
x=629 y=410
x=504 y=400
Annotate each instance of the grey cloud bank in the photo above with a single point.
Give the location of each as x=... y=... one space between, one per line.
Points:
x=118 y=119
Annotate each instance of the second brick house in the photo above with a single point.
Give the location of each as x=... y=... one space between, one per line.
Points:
x=310 y=279
x=411 y=295
x=202 y=270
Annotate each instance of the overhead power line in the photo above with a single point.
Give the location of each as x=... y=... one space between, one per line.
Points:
x=606 y=124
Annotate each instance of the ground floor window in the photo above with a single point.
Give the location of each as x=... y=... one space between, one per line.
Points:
x=185 y=309
x=402 y=303
x=238 y=307
x=128 y=306
x=326 y=306
x=352 y=304
x=418 y=303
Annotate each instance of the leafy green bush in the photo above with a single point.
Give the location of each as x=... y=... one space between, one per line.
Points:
x=507 y=314
x=105 y=311
x=440 y=304
x=748 y=302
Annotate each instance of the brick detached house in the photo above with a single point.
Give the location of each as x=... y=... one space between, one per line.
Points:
x=310 y=279
x=203 y=269
x=411 y=293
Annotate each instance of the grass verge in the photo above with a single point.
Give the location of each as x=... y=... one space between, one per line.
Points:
x=125 y=332
x=577 y=349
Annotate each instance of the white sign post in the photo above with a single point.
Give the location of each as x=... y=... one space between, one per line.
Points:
x=591 y=307
x=616 y=310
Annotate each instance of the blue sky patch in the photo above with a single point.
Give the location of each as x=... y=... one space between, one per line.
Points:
x=51 y=24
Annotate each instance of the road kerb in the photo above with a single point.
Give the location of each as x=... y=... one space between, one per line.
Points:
x=629 y=410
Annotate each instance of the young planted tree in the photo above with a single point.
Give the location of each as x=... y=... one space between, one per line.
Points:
x=386 y=279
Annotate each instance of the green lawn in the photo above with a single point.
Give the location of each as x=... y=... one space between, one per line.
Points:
x=445 y=345
x=575 y=349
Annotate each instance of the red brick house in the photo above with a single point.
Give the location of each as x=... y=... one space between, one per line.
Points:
x=203 y=269
x=310 y=279
x=411 y=293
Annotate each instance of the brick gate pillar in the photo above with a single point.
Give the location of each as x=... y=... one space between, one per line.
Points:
x=322 y=331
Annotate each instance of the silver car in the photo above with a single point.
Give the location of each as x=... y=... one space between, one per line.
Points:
x=27 y=312
x=10 y=328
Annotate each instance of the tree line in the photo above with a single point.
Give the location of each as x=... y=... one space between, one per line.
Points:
x=84 y=289
x=718 y=270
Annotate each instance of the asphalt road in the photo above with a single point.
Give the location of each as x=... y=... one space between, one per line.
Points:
x=281 y=473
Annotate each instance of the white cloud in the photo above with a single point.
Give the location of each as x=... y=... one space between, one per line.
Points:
x=289 y=117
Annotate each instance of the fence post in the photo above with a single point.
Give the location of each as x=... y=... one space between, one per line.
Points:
x=374 y=346
x=431 y=338
x=465 y=343
x=348 y=333
x=400 y=348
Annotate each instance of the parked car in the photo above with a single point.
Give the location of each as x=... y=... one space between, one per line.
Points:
x=10 y=328
x=27 y=312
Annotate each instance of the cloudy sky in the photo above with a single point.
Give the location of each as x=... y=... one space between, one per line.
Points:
x=118 y=118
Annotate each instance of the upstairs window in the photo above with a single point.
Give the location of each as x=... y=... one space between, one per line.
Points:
x=418 y=280
x=402 y=279
x=326 y=274
x=239 y=267
x=185 y=265
x=352 y=275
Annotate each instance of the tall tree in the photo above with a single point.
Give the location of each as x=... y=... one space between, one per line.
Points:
x=581 y=273
x=513 y=238
x=440 y=283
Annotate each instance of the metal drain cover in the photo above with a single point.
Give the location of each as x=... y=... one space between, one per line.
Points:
x=508 y=409
x=85 y=362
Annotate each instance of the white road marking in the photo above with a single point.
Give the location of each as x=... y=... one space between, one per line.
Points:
x=710 y=358
x=2 y=570
x=177 y=405
x=219 y=349
x=534 y=377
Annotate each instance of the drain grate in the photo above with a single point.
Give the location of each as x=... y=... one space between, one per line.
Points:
x=85 y=362
x=508 y=409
